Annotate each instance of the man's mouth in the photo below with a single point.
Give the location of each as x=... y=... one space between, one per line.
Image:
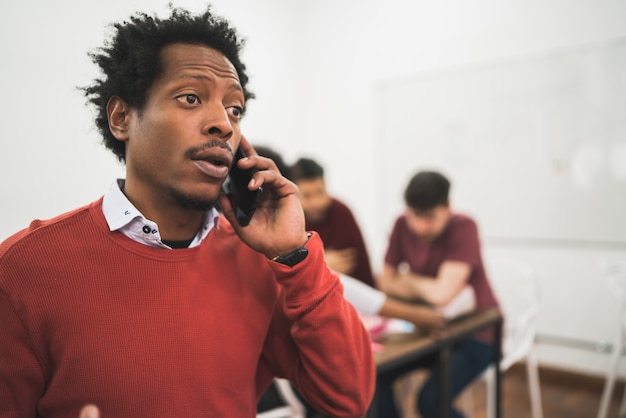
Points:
x=214 y=162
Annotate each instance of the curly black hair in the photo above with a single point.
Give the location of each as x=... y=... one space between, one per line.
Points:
x=130 y=61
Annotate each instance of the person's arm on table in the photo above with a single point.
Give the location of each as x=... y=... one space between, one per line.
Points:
x=424 y=317
x=439 y=291
x=370 y=301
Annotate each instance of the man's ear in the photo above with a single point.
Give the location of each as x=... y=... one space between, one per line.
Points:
x=118 y=114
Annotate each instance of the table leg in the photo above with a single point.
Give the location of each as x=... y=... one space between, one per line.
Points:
x=444 y=382
x=497 y=353
x=372 y=411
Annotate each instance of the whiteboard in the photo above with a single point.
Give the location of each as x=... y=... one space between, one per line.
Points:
x=535 y=148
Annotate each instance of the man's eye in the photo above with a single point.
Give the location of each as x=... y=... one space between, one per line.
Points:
x=236 y=111
x=191 y=99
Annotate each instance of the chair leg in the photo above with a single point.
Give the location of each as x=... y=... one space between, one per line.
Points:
x=534 y=388
x=490 y=389
x=622 y=408
x=610 y=376
x=289 y=397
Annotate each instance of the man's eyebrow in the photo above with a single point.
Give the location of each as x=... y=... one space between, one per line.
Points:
x=233 y=86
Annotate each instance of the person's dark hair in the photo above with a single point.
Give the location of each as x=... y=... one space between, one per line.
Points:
x=130 y=61
x=265 y=151
x=426 y=190
x=306 y=169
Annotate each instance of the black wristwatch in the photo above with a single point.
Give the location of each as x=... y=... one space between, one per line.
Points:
x=293 y=257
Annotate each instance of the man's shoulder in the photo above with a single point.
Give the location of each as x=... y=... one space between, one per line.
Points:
x=53 y=231
x=342 y=208
x=462 y=220
x=462 y=225
x=341 y=212
x=340 y=205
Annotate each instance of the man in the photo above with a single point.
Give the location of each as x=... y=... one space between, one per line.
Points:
x=344 y=248
x=441 y=252
x=147 y=302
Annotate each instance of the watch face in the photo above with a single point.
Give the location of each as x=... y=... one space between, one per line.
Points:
x=294 y=257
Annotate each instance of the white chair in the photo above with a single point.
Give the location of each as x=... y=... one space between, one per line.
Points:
x=293 y=408
x=516 y=286
x=616 y=282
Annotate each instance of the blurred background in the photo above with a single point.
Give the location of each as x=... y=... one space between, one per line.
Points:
x=521 y=103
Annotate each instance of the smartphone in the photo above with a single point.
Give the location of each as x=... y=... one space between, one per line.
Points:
x=244 y=201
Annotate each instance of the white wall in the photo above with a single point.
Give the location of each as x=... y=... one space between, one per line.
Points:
x=352 y=47
x=315 y=67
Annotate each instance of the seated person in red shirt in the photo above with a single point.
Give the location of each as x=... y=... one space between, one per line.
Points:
x=149 y=302
x=433 y=254
x=344 y=247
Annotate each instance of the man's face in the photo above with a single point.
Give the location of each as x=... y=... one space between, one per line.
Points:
x=428 y=224
x=315 y=200
x=180 y=146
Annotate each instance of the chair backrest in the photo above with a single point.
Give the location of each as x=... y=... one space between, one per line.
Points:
x=516 y=285
x=293 y=408
x=615 y=273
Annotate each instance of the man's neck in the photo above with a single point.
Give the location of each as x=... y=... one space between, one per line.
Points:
x=176 y=223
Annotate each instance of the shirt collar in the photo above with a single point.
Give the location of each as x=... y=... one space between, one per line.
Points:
x=122 y=216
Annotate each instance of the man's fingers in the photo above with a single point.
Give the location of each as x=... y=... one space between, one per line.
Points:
x=246 y=147
x=89 y=411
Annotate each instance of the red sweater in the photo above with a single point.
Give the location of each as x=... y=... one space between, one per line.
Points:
x=90 y=316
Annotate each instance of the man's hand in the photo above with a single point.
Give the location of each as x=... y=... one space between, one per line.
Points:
x=342 y=261
x=89 y=411
x=424 y=317
x=277 y=226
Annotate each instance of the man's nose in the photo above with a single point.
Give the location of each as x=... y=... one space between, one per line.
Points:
x=217 y=123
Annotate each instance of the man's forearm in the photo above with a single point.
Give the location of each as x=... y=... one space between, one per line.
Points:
x=411 y=286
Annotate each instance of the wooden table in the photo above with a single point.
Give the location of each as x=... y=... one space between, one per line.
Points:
x=401 y=350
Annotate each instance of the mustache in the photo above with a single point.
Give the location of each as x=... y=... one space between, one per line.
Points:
x=212 y=143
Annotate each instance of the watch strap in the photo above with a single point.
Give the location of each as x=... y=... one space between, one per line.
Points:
x=293 y=257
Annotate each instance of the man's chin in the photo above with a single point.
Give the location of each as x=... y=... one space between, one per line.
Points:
x=195 y=202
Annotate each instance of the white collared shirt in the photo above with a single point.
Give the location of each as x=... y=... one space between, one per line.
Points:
x=122 y=216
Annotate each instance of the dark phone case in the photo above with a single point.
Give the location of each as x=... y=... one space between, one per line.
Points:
x=244 y=201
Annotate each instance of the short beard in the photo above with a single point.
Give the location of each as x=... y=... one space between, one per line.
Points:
x=191 y=202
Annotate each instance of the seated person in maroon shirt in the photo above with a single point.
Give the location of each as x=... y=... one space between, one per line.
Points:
x=344 y=247
x=433 y=254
